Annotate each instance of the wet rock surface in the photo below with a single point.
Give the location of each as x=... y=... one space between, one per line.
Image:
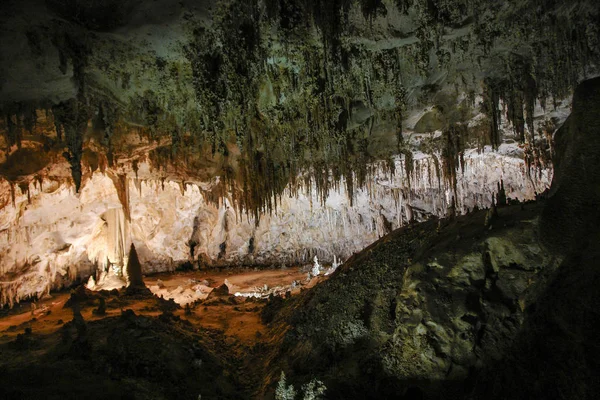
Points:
x=555 y=354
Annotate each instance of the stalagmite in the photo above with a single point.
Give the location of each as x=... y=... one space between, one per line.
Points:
x=134 y=270
x=316 y=269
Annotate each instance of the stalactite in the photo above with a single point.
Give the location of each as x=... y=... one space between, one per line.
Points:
x=13 y=131
x=122 y=188
x=490 y=107
x=40 y=180
x=12 y=193
x=138 y=185
x=117 y=237
x=307 y=139
x=72 y=118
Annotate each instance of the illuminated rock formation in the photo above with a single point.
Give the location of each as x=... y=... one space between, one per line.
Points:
x=258 y=132
x=58 y=236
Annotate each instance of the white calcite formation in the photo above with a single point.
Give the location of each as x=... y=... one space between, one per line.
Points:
x=316 y=269
x=51 y=236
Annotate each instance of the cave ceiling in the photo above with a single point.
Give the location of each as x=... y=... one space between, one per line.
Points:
x=253 y=95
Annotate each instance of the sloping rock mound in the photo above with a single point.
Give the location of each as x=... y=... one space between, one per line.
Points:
x=420 y=310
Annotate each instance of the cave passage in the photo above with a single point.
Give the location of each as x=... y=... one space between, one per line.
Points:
x=299 y=199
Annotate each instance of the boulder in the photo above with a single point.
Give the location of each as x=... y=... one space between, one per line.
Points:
x=220 y=291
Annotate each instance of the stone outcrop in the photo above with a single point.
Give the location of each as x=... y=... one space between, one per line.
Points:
x=572 y=211
x=421 y=309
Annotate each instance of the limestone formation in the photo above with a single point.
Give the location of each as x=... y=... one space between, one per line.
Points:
x=316 y=268
x=254 y=133
x=68 y=237
x=134 y=270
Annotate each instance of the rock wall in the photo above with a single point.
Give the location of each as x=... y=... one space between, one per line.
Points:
x=50 y=236
x=416 y=314
x=572 y=210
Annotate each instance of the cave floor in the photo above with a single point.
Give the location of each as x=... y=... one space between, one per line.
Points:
x=239 y=319
x=145 y=346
